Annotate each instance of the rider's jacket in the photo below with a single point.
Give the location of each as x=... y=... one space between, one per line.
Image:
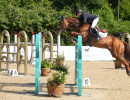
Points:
x=87 y=18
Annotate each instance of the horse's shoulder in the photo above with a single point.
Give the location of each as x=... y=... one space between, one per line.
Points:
x=111 y=38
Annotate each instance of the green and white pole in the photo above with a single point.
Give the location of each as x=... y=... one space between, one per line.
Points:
x=78 y=65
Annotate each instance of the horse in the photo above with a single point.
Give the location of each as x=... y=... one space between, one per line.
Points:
x=118 y=49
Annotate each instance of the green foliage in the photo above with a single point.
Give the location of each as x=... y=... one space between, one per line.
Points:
x=58 y=74
x=45 y=15
x=60 y=67
x=125 y=10
x=60 y=58
x=92 y=4
x=76 y=4
x=58 y=77
x=27 y=15
x=106 y=17
x=113 y=3
x=45 y=64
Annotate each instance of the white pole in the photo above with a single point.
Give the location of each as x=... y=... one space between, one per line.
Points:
x=15 y=47
x=32 y=50
x=58 y=44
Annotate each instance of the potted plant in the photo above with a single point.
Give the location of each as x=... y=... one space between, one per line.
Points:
x=60 y=59
x=55 y=83
x=45 y=67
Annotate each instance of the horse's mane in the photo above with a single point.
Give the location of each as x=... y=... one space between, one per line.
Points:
x=75 y=18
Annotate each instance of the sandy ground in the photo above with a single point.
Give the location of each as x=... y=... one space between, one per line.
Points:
x=107 y=83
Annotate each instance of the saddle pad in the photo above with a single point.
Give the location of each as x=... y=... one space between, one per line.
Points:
x=103 y=34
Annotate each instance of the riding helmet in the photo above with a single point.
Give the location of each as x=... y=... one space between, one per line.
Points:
x=78 y=11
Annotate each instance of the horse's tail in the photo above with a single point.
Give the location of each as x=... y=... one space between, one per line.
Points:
x=127 y=51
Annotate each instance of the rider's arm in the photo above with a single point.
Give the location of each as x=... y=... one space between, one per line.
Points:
x=84 y=18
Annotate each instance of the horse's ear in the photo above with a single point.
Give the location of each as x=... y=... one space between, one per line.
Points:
x=62 y=17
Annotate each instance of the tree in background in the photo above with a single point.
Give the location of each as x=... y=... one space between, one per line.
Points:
x=45 y=15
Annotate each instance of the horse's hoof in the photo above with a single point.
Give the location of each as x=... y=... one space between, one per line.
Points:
x=128 y=73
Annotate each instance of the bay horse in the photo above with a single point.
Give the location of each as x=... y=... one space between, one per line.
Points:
x=119 y=49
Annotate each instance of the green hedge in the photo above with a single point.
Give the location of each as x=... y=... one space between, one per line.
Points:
x=44 y=15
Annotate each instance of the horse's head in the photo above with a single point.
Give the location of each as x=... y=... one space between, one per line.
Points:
x=63 y=25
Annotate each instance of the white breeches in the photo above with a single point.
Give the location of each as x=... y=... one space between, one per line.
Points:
x=94 y=23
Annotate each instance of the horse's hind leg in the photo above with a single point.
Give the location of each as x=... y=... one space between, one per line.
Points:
x=126 y=63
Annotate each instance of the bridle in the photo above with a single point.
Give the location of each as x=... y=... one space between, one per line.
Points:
x=62 y=29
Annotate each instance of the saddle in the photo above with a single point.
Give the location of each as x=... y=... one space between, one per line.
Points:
x=101 y=32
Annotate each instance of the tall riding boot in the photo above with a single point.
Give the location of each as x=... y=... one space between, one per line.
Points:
x=97 y=35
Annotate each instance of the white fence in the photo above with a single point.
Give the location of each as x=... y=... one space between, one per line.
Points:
x=88 y=53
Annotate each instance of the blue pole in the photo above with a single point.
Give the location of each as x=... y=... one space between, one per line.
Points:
x=38 y=63
x=78 y=65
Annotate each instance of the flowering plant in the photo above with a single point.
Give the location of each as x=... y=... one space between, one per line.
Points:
x=60 y=67
x=57 y=77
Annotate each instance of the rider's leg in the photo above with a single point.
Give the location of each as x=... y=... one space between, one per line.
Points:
x=94 y=23
x=94 y=29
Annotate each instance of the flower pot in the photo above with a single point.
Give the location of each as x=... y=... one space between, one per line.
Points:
x=55 y=90
x=45 y=71
x=117 y=64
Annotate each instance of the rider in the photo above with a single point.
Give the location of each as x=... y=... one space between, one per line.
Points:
x=91 y=19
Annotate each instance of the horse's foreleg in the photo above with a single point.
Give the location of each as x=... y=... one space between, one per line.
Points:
x=72 y=40
x=75 y=34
